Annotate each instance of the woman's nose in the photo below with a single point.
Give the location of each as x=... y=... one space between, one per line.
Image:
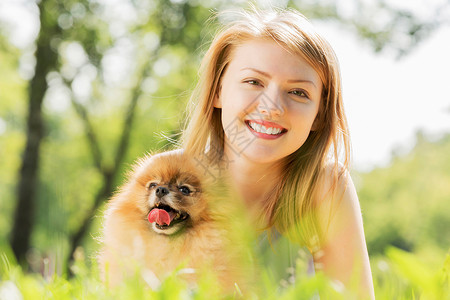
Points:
x=270 y=103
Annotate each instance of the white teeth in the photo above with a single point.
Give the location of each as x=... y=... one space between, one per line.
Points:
x=262 y=129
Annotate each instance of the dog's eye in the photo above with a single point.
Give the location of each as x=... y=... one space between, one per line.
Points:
x=152 y=185
x=184 y=190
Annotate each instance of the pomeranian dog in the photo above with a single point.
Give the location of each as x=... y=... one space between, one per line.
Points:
x=165 y=217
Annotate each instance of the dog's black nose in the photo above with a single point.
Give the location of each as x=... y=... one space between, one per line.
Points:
x=161 y=191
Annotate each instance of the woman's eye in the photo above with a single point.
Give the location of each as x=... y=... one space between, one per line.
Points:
x=299 y=93
x=253 y=82
x=184 y=190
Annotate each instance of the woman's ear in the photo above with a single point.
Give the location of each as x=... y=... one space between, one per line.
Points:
x=217 y=101
x=316 y=123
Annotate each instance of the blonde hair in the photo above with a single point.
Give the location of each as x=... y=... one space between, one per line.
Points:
x=291 y=207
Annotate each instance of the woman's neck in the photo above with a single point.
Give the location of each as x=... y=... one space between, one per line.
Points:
x=253 y=181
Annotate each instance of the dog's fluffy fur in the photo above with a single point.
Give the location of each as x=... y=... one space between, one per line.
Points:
x=196 y=239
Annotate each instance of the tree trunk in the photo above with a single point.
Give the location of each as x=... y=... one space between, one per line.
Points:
x=28 y=175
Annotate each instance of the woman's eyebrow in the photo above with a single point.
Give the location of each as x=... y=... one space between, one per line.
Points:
x=257 y=71
x=302 y=81
x=268 y=76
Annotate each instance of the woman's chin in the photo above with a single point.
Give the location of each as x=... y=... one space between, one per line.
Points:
x=261 y=155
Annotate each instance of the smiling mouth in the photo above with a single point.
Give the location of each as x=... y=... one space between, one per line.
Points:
x=165 y=216
x=265 y=131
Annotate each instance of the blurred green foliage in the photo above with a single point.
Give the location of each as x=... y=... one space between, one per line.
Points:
x=12 y=115
x=399 y=275
x=406 y=204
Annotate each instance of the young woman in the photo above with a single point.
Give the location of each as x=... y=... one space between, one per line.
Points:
x=269 y=112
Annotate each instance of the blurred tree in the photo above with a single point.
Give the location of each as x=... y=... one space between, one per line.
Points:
x=46 y=60
x=395 y=27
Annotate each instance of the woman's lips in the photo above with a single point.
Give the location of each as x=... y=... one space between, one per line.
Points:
x=265 y=129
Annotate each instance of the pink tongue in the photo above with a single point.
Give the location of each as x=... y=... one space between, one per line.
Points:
x=160 y=216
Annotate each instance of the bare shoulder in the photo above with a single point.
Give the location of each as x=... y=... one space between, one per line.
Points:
x=333 y=182
x=343 y=252
x=337 y=201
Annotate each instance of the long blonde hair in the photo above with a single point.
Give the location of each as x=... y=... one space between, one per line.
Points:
x=291 y=208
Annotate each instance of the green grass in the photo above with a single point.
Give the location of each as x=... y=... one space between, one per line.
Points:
x=397 y=275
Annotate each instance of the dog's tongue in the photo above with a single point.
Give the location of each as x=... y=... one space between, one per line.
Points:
x=160 y=216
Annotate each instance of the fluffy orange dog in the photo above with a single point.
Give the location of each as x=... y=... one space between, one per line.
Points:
x=164 y=217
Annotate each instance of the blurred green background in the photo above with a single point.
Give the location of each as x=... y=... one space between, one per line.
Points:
x=108 y=81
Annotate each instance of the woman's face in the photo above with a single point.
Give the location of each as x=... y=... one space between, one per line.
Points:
x=269 y=100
